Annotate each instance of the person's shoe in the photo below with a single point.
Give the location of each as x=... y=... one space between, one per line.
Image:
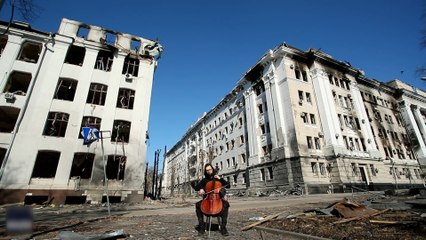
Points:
x=200 y=228
x=224 y=231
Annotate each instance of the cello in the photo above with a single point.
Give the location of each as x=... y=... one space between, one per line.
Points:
x=211 y=205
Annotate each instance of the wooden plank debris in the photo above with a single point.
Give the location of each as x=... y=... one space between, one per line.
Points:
x=361 y=217
x=270 y=217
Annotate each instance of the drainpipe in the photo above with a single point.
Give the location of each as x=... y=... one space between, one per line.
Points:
x=24 y=108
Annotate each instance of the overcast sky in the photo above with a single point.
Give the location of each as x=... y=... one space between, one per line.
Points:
x=209 y=45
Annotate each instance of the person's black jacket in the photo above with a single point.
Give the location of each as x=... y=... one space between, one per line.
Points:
x=202 y=184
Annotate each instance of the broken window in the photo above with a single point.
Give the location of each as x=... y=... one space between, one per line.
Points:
x=115 y=167
x=93 y=122
x=120 y=131
x=8 y=118
x=46 y=164
x=309 y=141
x=30 y=52
x=56 y=124
x=97 y=94
x=104 y=60
x=259 y=88
x=317 y=143
x=18 y=83
x=2 y=154
x=131 y=66
x=75 y=55
x=82 y=165
x=270 y=173
x=83 y=32
x=65 y=90
x=3 y=42
x=125 y=99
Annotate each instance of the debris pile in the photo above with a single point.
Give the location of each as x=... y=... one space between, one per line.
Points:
x=348 y=219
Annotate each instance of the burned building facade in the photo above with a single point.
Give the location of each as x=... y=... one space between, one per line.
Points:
x=53 y=84
x=302 y=118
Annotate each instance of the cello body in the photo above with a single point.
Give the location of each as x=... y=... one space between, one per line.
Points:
x=212 y=205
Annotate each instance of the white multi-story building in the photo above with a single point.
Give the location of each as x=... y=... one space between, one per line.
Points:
x=52 y=85
x=304 y=118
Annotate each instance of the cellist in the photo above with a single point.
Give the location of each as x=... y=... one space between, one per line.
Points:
x=209 y=174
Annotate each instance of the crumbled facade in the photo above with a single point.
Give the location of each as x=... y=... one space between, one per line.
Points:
x=302 y=118
x=53 y=84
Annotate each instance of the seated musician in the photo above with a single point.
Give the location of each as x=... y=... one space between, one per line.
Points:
x=209 y=174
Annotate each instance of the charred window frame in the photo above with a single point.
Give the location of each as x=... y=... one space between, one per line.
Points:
x=259 y=88
x=65 y=89
x=104 y=60
x=93 y=122
x=82 y=165
x=75 y=55
x=18 y=83
x=8 y=118
x=46 y=164
x=131 y=66
x=30 y=52
x=56 y=124
x=97 y=94
x=115 y=167
x=120 y=131
x=126 y=98
x=3 y=42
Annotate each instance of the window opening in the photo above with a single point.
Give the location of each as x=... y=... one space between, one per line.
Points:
x=75 y=55
x=120 y=131
x=115 y=167
x=65 y=90
x=135 y=45
x=104 y=60
x=2 y=154
x=270 y=173
x=126 y=98
x=97 y=94
x=46 y=164
x=56 y=124
x=83 y=32
x=93 y=122
x=82 y=165
x=18 y=83
x=8 y=118
x=131 y=66
x=3 y=42
x=30 y=52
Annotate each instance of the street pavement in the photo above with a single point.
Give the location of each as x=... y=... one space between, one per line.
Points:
x=173 y=218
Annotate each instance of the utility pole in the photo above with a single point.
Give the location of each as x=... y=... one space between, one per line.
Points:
x=156 y=174
x=153 y=174
x=146 y=181
x=162 y=172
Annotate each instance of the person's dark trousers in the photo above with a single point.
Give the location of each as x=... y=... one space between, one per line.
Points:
x=200 y=215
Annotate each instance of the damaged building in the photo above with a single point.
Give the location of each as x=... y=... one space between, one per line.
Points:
x=302 y=119
x=53 y=84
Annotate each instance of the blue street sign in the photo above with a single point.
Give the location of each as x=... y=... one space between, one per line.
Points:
x=90 y=135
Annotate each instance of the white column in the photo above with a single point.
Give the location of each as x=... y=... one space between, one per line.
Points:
x=327 y=111
x=413 y=131
x=420 y=124
x=252 y=123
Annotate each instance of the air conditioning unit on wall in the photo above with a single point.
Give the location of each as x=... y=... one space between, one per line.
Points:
x=9 y=96
x=129 y=77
